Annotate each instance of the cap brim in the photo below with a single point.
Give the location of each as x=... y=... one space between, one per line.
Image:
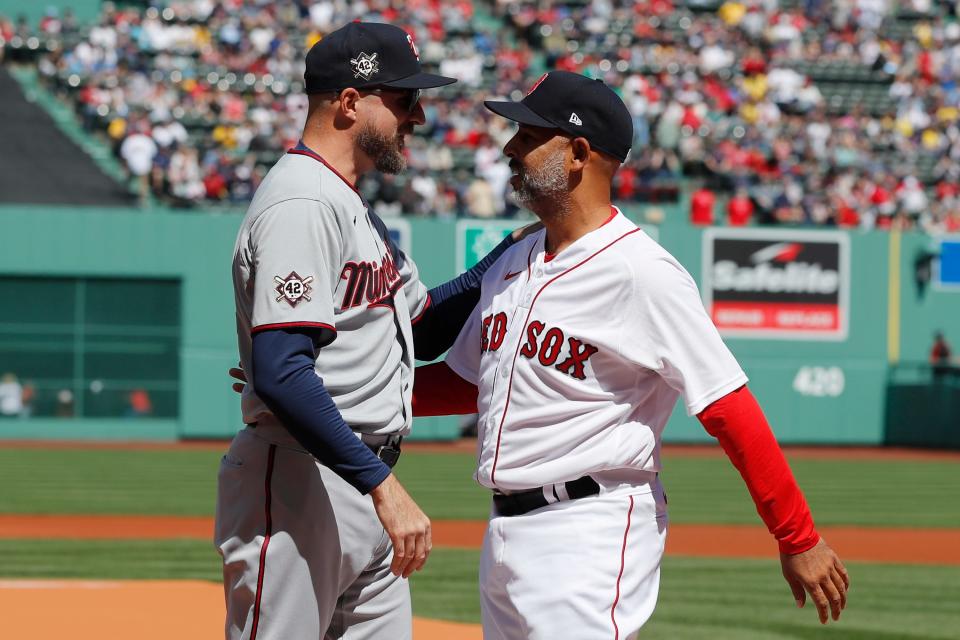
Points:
x=518 y=112
x=420 y=81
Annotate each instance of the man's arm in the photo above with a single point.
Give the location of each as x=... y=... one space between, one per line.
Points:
x=439 y=391
x=809 y=564
x=449 y=304
x=285 y=379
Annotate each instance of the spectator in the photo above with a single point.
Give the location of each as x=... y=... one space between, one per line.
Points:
x=139 y=404
x=64 y=407
x=739 y=209
x=29 y=394
x=724 y=98
x=940 y=354
x=138 y=151
x=701 y=207
x=480 y=199
x=11 y=396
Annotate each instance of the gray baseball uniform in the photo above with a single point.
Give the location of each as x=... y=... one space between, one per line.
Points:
x=304 y=553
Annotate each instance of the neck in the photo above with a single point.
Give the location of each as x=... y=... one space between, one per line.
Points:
x=339 y=151
x=566 y=225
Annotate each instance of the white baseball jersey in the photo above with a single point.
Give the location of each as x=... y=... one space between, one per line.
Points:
x=580 y=359
x=309 y=254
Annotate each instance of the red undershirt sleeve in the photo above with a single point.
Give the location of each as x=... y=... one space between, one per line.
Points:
x=438 y=391
x=737 y=421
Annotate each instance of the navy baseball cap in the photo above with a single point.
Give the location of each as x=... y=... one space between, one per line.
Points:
x=576 y=105
x=366 y=55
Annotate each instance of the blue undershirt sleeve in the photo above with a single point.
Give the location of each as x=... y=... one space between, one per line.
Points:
x=450 y=305
x=285 y=379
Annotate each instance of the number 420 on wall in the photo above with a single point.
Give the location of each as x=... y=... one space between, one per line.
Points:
x=819 y=381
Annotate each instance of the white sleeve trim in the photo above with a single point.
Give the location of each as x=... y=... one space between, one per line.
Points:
x=696 y=406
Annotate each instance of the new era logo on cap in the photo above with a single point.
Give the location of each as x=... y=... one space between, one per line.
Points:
x=575 y=119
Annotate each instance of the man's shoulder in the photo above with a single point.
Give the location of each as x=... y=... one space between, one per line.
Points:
x=646 y=262
x=297 y=178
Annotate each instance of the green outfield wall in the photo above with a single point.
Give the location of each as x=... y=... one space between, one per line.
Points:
x=83 y=282
x=33 y=10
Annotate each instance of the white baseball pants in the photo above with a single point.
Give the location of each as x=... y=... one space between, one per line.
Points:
x=585 y=569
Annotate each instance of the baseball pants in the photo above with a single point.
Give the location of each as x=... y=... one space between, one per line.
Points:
x=304 y=554
x=586 y=568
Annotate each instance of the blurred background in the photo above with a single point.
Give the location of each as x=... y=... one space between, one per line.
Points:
x=800 y=157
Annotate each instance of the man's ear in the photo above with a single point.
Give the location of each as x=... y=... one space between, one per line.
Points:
x=580 y=150
x=347 y=101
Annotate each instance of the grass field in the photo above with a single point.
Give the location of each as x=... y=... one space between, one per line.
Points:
x=701 y=490
x=701 y=598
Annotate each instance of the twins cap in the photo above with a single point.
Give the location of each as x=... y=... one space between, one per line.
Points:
x=366 y=55
x=576 y=105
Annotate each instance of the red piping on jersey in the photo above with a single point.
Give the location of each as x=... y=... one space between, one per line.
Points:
x=530 y=259
x=318 y=158
x=266 y=542
x=503 y=417
x=623 y=557
x=292 y=325
x=426 y=306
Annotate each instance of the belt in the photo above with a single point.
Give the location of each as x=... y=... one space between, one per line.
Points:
x=520 y=502
x=385 y=447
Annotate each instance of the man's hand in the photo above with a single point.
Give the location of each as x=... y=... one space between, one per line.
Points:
x=819 y=572
x=407 y=526
x=522 y=232
x=238 y=374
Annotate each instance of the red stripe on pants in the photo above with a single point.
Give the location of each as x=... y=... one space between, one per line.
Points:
x=266 y=542
x=623 y=555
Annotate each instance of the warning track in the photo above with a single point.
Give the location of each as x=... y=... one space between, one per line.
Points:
x=870 y=544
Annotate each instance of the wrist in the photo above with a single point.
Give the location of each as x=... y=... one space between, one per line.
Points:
x=792 y=548
x=379 y=492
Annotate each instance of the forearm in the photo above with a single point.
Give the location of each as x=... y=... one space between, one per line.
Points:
x=737 y=421
x=285 y=380
x=438 y=391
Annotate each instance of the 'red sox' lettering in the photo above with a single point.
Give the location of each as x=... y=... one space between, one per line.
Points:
x=546 y=346
x=493 y=332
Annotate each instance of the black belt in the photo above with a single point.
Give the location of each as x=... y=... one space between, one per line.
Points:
x=515 y=504
x=388 y=451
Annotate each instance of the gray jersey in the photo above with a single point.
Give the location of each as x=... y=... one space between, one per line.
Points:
x=311 y=255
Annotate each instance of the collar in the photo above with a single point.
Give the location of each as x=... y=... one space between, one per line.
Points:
x=303 y=150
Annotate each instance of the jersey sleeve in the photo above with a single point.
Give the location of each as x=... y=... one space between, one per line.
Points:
x=464 y=356
x=297 y=248
x=671 y=333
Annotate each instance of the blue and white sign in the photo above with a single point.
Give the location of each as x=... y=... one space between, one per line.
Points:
x=946 y=268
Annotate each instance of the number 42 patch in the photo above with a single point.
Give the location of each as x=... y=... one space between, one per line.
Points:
x=293 y=288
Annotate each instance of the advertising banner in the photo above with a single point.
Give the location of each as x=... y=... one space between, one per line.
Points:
x=760 y=283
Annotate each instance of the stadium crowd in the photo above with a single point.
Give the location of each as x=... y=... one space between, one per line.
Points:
x=735 y=100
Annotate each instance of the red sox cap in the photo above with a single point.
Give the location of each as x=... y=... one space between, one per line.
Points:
x=576 y=105
x=364 y=55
